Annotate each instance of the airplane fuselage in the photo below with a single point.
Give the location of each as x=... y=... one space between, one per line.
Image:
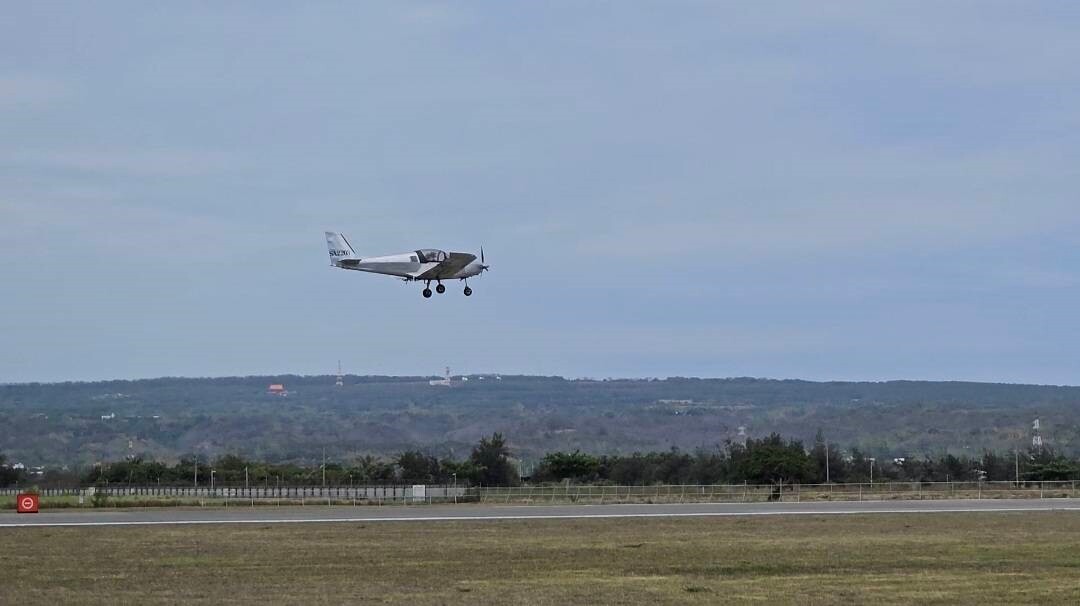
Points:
x=410 y=266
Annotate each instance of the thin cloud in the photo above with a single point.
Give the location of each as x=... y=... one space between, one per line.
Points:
x=135 y=162
x=30 y=91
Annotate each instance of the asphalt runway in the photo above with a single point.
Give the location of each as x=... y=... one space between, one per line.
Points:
x=267 y=514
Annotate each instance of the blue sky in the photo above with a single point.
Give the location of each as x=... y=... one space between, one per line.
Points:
x=858 y=191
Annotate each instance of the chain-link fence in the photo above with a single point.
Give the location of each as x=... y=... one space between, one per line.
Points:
x=149 y=495
x=213 y=494
x=747 y=493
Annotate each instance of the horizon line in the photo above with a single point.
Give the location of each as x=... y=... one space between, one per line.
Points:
x=521 y=375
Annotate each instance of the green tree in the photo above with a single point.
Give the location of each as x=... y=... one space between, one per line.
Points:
x=627 y=470
x=711 y=467
x=955 y=468
x=575 y=465
x=1050 y=467
x=371 y=470
x=771 y=460
x=419 y=467
x=998 y=467
x=461 y=472
x=492 y=460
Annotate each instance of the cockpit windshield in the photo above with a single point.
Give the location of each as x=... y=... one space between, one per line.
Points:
x=431 y=255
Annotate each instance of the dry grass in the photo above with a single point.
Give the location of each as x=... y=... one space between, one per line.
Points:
x=883 y=559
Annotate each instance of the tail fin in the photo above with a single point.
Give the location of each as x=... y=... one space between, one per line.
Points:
x=339 y=247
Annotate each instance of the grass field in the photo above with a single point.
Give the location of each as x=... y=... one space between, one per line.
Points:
x=1018 y=558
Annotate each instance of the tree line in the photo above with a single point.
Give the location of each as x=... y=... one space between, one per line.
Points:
x=488 y=464
x=767 y=460
x=772 y=460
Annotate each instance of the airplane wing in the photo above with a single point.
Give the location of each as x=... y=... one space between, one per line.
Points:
x=447 y=269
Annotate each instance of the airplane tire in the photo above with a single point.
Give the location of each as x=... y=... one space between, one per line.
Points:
x=468 y=291
x=427 y=293
x=440 y=289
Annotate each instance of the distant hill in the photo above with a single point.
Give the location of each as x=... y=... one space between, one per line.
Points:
x=80 y=423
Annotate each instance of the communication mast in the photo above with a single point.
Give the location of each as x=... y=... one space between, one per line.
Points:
x=443 y=382
x=340 y=377
x=1036 y=438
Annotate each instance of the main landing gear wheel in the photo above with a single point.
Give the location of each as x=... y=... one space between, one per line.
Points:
x=468 y=291
x=440 y=289
x=427 y=293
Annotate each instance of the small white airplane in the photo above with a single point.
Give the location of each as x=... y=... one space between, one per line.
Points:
x=427 y=264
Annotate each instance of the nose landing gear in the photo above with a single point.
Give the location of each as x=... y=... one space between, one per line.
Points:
x=468 y=291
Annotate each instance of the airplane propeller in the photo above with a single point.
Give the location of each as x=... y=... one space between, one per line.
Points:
x=483 y=267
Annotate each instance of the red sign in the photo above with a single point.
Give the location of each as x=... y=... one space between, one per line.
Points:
x=26 y=503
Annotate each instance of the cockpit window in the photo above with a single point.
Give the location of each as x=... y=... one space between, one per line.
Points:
x=431 y=255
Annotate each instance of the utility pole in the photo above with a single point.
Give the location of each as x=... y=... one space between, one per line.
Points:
x=872 y=470
x=1016 y=454
x=245 y=477
x=324 y=467
x=827 y=462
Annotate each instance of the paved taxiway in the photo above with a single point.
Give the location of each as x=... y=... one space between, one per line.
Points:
x=280 y=515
